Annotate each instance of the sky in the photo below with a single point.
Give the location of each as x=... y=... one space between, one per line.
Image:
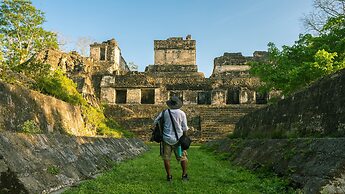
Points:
x=218 y=26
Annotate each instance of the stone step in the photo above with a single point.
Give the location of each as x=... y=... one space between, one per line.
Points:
x=215 y=115
x=219 y=121
x=223 y=113
x=207 y=127
x=219 y=130
x=229 y=118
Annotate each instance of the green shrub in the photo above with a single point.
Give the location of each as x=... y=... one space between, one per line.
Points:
x=60 y=86
x=30 y=126
x=54 y=170
x=95 y=119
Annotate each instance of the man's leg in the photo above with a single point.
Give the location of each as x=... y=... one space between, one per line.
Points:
x=167 y=167
x=184 y=167
x=166 y=158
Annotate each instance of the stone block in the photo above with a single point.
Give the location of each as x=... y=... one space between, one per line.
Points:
x=108 y=95
x=218 y=97
x=247 y=96
x=158 y=97
x=133 y=96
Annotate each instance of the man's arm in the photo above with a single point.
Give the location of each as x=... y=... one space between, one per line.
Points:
x=184 y=124
x=156 y=120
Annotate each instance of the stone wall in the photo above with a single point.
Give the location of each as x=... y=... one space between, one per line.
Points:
x=175 y=51
x=313 y=165
x=236 y=62
x=317 y=111
x=45 y=163
x=18 y=105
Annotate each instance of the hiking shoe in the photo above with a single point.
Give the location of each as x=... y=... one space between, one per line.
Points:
x=169 y=178
x=185 y=177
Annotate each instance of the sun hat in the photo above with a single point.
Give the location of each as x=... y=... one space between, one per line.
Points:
x=174 y=103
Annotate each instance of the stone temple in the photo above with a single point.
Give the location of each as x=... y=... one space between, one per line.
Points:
x=213 y=105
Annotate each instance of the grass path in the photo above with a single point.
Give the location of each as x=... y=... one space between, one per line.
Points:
x=208 y=174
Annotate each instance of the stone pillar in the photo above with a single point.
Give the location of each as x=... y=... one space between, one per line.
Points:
x=190 y=97
x=218 y=97
x=133 y=96
x=251 y=97
x=243 y=96
x=158 y=97
x=108 y=95
x=247 y=96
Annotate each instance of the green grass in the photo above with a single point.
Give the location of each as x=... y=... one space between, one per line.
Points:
x=208 y=174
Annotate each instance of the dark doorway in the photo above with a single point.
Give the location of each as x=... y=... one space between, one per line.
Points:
x=102 y=54
x=179 y=94
x=233 y=96
x=147 y=96
x=261 y=97
x=204 y=98
x=121 y=97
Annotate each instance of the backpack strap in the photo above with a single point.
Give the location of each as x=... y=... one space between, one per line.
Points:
x=161 y=122
x=173 y=124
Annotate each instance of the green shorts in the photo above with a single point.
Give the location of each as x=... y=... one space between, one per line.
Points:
x=168 y=149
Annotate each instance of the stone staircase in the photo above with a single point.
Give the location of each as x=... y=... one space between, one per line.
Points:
x=207 y=122
x=218 y=122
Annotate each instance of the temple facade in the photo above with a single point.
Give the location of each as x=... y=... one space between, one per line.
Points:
x=175 y=72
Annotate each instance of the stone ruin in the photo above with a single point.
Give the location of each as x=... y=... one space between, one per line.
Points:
x=108 y=58
x=213 y=105
x=175 y=73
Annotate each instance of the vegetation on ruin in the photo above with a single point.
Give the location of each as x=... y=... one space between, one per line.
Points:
x=209 y=173
x=60 y=86
x=310 y=58
x=30 y=126
x=54 y=170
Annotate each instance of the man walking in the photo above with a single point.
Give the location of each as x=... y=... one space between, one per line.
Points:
x=173 y=118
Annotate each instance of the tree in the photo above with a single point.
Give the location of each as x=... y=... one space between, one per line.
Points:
x=83 y=45
x=310 y=58
x=323 y=11
x=1 y=55
x=64 y=42
x=22 y=32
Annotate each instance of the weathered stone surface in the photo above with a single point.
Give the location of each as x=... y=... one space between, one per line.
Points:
x=44 y=163
x=108 y=95
x=315 y=165
x=317 y=111
x=171 y=68
x=219 y=97
x=18 y=104
x=175 y=51
x=133 y=96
